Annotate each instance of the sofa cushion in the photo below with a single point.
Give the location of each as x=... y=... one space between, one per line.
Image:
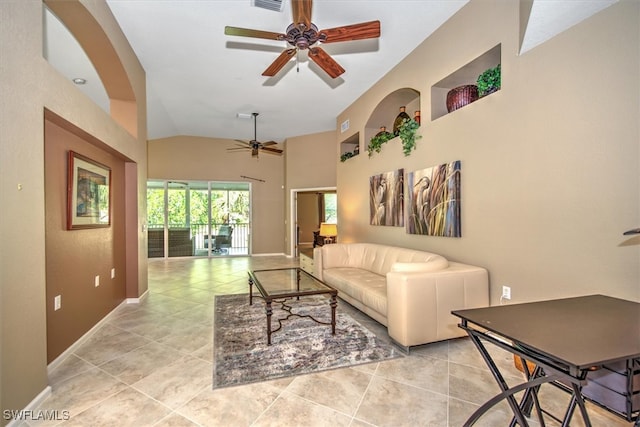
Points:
x=362 y=285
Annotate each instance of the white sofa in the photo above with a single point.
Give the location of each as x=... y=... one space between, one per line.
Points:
x=411 y=292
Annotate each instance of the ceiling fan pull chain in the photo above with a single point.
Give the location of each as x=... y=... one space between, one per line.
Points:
x=297 y=60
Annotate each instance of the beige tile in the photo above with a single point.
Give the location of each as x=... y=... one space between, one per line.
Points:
x=126 y=408
x=189 y=338
x=463 y=352
x=201 y=314
x=389 y=403
x=296 y=411
x=175 y=384
x=155 y=326
x=471 y=384
x=205 y=352
x=141 y=362
x=424 y=372
x=81 y=392
x=70 y=367
x=460 y=411
x=438 y=350
x=347 y=387
x=238 y=406
x=175 y=420
x=109 y=343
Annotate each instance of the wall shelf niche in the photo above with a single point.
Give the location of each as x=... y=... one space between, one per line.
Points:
x=466 y=75
x=387 y=110
x=350 y=147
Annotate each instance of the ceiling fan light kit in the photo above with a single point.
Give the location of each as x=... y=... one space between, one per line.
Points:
x=302 y=34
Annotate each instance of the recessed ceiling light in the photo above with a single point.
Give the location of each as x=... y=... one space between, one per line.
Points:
x=79 y=81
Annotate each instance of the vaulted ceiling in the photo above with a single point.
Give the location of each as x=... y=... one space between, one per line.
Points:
x=199 y=79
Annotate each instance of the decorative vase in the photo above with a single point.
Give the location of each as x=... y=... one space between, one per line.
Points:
x=396 y=124
x=460 y=96
x=383 y=131
x=416 y=116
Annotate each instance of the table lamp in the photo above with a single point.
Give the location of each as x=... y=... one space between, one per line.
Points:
x=329 y=232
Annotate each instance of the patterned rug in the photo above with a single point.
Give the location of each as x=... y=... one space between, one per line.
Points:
x=301 y=346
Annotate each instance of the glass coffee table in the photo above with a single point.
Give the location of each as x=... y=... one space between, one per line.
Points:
x=280 y=285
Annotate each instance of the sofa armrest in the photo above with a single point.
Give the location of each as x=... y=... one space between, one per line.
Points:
x=419 y=304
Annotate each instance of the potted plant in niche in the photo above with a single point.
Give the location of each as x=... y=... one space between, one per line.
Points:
x=489 y=81
x=407 y=132
x=375 y=143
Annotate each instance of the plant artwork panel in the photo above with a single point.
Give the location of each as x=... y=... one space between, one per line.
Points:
x=386 y=198
x=87 y=193
x=434 y=201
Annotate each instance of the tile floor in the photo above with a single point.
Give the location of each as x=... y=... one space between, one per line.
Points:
x=150 y=364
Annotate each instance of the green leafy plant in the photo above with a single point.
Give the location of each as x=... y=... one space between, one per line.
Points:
x=408 y=134
x=345 y=156
x=489 y=81
x=376 y=142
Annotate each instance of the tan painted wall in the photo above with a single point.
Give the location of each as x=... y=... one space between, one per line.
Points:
x=550 y=164
x=28 y=86
x=207 y=159
x=310 y=163
x=307 y=215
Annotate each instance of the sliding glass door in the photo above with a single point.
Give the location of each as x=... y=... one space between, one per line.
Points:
x=195 y=218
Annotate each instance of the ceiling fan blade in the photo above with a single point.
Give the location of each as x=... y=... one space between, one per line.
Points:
x=239 y=149
x=268 y=143
x=326 y=62
x=242 y=142
x=280 y=62
x=272 y=150
x=364 y=30
x=247 y=32
x=301 y=12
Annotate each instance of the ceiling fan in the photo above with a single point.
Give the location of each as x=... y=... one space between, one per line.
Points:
x=254 y=145
x=302 y=34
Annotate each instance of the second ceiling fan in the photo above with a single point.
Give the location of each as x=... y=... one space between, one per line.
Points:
x=254 y=145
x=302 y=34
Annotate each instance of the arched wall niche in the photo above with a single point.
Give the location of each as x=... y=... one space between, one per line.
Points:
x=387 y=110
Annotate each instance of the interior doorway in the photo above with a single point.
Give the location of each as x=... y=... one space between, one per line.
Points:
x=309 y=208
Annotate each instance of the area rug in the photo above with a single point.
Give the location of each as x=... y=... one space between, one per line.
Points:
x=301 y=346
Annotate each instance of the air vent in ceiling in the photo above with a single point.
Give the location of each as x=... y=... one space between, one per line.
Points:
x=275 y=5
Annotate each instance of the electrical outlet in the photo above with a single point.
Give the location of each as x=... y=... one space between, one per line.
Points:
x=96 y=282
x=113 y=273
x=506 y=292
x=57 y=302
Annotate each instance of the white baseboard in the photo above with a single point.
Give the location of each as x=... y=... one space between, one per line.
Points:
x=30 y=408
x=275 y=254
x=137 y=300
x=73 y=347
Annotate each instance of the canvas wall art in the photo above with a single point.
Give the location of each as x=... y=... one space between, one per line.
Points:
x=386 y=198
x=434 y=201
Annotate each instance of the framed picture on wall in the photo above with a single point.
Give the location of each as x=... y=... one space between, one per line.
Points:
x=433 y=201
x=88 y=193
x=386 y=198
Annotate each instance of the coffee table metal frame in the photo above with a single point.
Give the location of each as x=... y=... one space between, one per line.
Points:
x=282 y=295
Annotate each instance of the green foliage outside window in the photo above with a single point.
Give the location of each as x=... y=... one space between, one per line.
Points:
x=227 y=206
